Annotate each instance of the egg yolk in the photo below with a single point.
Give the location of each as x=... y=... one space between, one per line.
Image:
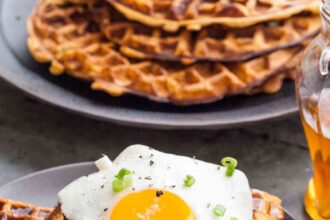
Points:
x=152 y=204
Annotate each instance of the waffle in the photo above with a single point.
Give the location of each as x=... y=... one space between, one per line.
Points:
x=194 y=14
x=13 y=210
x=212 y=43
x=199 y=83
x=67 y=29
x=274 y=83
x=265 y=207
x=66 y=36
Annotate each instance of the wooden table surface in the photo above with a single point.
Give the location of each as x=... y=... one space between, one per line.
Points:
x=35 y=136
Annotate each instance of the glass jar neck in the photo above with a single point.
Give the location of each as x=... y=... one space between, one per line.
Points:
x=325 y=14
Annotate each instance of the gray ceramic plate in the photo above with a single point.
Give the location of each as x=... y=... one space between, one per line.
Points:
x=41 y=188
x=18 y=68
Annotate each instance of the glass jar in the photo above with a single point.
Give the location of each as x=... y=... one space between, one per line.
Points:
x=313 y=93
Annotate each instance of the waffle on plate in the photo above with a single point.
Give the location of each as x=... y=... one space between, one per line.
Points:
x=211 y=43
x=13 y=210
x=265 y=207
x=144 y=183
x=67 y=35
x=194 y=14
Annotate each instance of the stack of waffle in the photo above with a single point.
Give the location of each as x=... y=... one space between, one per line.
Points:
x=178 y=51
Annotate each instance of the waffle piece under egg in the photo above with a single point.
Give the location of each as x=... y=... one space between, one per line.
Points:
x=13 y=210
x=265 y=207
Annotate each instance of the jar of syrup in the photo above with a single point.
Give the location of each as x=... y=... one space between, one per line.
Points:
x=313 y=93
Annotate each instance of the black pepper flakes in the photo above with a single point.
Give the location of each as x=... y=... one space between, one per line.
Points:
x=151 y=163
x=106 y=209
x=159 y=193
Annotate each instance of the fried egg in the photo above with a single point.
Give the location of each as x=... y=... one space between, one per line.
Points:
x=158 y=190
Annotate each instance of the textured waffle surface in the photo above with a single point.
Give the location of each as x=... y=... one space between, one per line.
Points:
x=265 y=207
x=171 y=14
x=58 y=25
x=199 y=83
x=67 y=36
x=12 y=210
x=213 y=43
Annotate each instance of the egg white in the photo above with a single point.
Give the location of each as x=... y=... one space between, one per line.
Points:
x=92 y=198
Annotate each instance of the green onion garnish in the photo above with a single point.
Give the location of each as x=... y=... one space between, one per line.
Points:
x=219 y=210
x=233 y=218
x=189 y=181
x=128 y=180
x=118 y=185
x=123 y=172
x=123 y=180
x=231 y=164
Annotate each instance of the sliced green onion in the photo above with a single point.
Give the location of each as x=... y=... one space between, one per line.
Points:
x=231 y=164
x=123 y=180
x=118 y=185
x=233 y=218
x=123 y=172
x=229 y=161
x=230 y=171
x=189 y=181
x=219 y=210
x=128 y=181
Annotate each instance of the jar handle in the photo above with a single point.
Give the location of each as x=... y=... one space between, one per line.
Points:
x=324 y=62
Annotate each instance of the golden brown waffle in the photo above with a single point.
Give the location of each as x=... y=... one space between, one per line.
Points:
x=213 y=43
x=58 y=25
x=199 y=83
x=265 y=207
x=274 y=83
x=66 y=36
x=172 y=14
x=13 y=210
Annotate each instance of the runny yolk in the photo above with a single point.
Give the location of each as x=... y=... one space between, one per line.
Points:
x=152 y=204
